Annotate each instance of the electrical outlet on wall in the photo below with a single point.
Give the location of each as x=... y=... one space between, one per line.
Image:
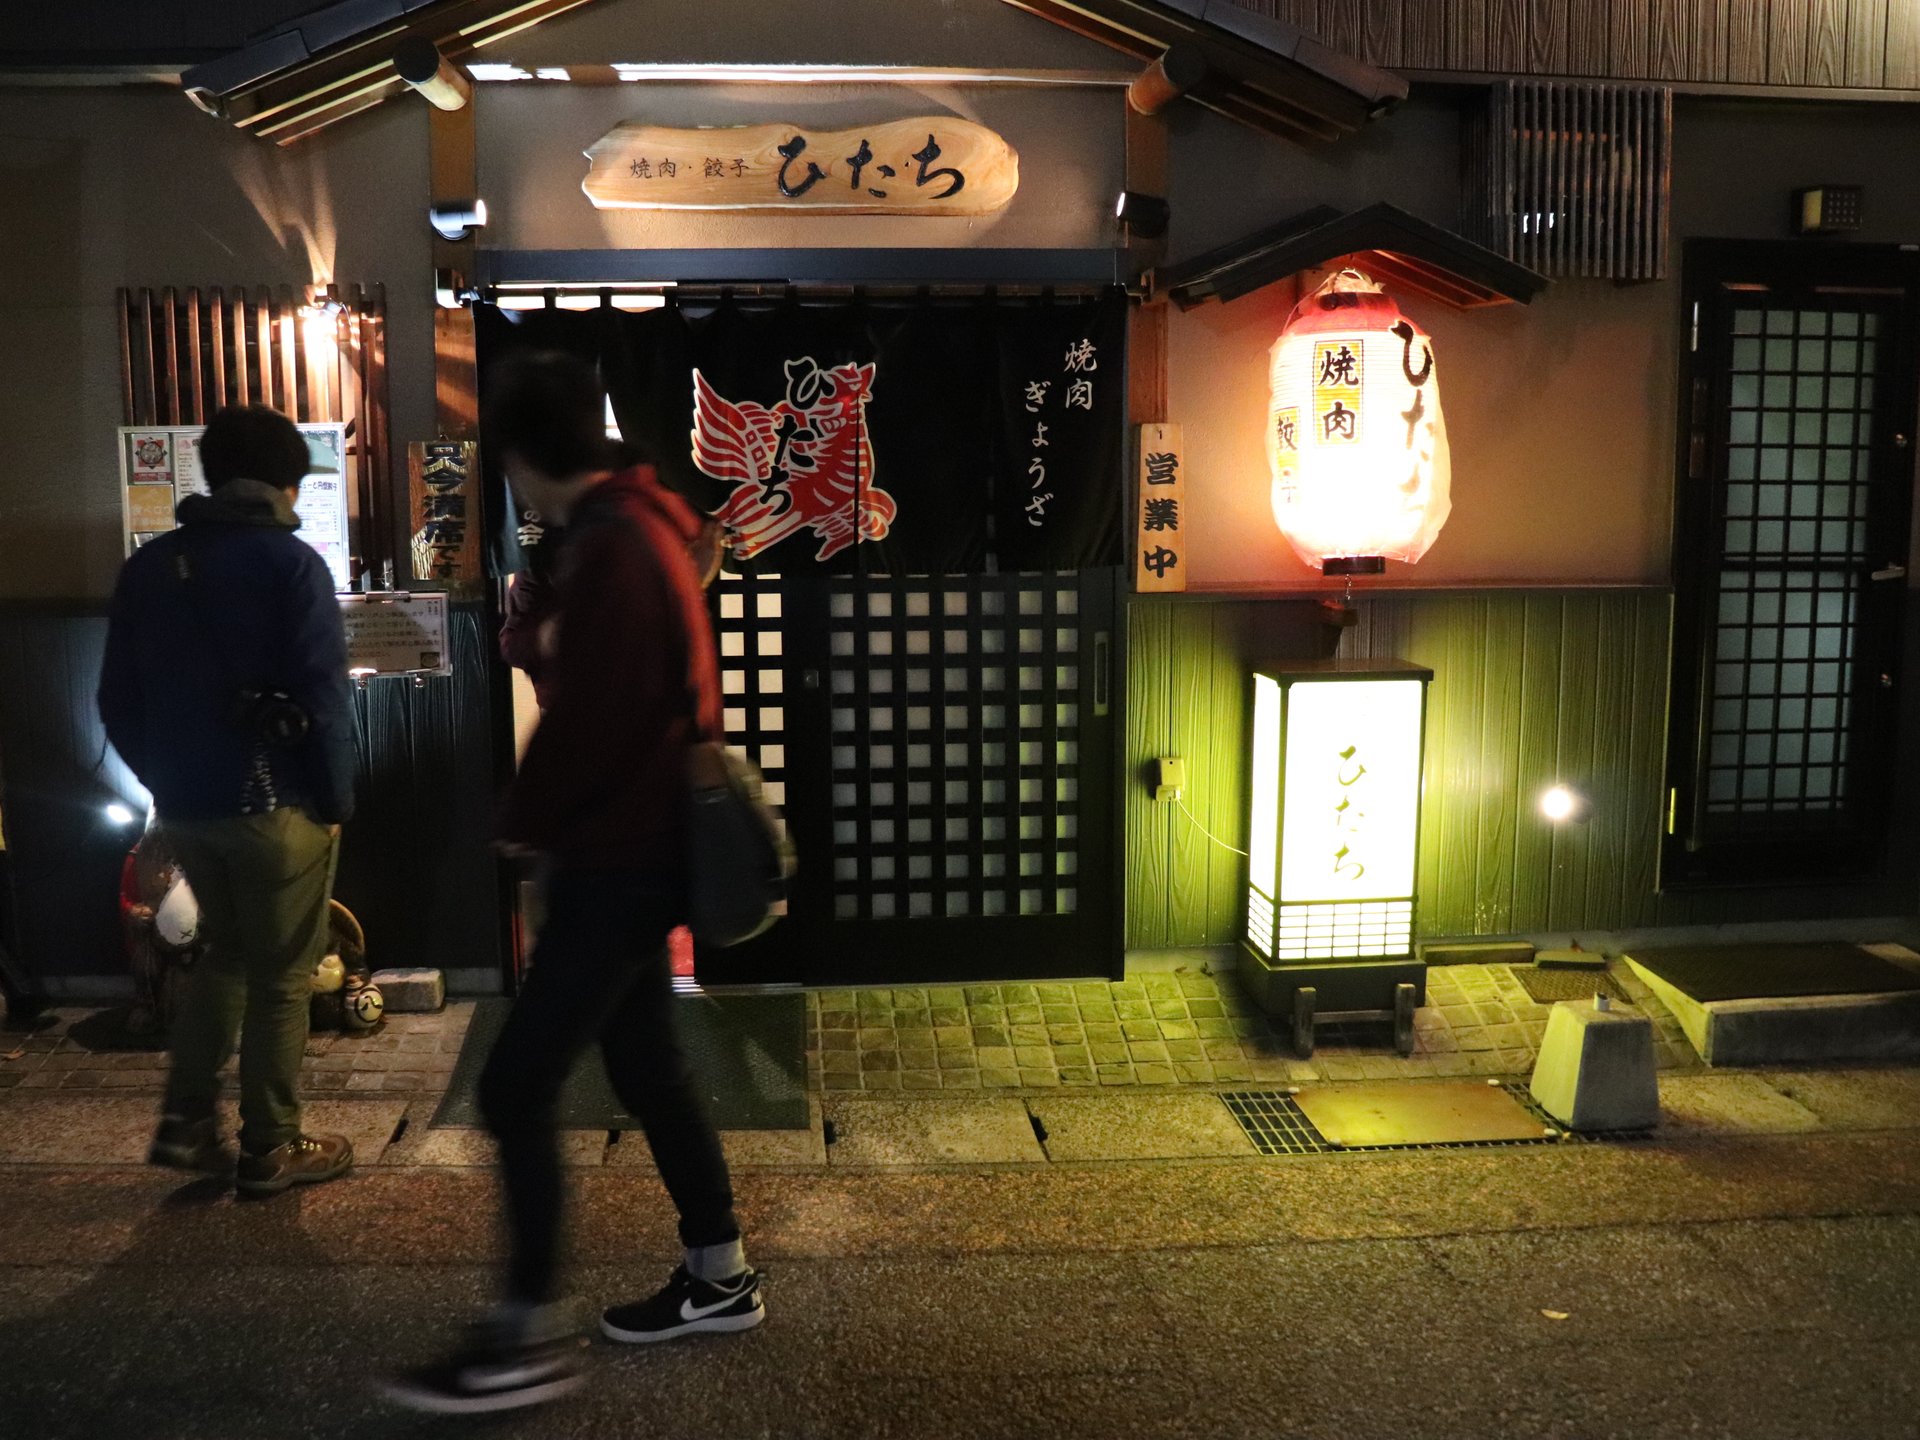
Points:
x=1170 y=777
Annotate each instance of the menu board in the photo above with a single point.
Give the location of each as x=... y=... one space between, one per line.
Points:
x=160 y=467
x=395 y=633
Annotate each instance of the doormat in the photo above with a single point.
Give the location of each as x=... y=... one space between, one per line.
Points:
x=1418 y=1112
x=1274 y=1121
x=749 y=1062
x=1767 y=972
x=1546 y=987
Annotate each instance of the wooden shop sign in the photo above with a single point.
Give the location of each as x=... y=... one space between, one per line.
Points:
x=926 y=166
x=1160 y=547
x=445 y=523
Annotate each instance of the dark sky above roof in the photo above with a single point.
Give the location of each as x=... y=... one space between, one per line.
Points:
x=139 y=32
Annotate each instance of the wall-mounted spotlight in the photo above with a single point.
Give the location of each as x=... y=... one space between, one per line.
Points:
x=440 y=82
x=323 y=300
x=457 y=219
x=1561 y=803
x=118 y=814
x=1146 y=216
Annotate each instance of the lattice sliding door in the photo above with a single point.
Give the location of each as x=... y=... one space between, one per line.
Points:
x=943 y=748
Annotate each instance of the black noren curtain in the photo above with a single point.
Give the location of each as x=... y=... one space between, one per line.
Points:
x=923 y=437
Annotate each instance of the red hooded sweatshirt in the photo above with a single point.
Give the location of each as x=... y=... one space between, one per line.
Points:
x=632 y=681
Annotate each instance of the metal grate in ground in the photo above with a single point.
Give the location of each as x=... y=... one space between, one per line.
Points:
x=1275 y=1123
x=1546 y=987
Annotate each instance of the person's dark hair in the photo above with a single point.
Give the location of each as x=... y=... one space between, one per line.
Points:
x=550 y=410
x=253 y=442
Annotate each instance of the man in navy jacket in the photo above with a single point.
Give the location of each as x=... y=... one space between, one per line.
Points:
x=225 y=689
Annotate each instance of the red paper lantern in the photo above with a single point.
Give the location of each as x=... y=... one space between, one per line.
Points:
x=1356 y=442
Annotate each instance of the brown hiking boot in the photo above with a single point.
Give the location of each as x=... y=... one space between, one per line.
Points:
x=308 y=1160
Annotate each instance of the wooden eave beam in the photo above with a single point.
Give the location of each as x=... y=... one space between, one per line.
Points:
x=1246 y=80
x=345 y=79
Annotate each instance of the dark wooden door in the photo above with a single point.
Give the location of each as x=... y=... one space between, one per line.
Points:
x=943 y=752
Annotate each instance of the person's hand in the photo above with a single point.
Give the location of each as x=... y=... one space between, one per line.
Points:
x=334 y=831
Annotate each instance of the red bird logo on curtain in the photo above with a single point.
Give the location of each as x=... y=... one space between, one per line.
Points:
x=804 y=463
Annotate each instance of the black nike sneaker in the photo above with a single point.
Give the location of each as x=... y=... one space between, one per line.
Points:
x=688 y=1306
x=501 y=1366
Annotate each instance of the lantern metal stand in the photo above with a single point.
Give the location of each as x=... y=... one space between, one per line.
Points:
x=1333 y=844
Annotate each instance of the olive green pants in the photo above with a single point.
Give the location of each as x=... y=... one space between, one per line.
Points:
x=262 y=882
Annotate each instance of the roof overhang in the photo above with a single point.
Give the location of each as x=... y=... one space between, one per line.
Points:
x=1382 y=239
x=339 y=61
x=1261 y=72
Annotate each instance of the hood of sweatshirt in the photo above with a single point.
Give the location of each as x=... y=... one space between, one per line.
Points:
x=241 y=502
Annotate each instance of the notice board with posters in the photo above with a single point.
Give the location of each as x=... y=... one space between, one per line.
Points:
x=160 y=467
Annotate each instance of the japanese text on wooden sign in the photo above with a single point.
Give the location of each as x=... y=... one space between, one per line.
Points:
x=446 y=539
x=1160 y=547
x=925 y=166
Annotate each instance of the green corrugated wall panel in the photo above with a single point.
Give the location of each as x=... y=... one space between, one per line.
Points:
x=1149 y=674
x=1529 y=687
x=1194 y=732
x=1503 y=704
x=1224 y=785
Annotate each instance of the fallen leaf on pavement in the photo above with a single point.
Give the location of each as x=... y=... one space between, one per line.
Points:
x=1555 y=1314
x=13 y=1055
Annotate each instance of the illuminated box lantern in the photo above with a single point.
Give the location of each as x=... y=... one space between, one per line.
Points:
x=1333 y=840
x=1356 y=443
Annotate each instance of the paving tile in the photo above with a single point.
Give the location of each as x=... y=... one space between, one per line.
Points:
x=912 y=1019
x=968 y=1079
x=1187 y=1050
x=1160 y=987
x=1193 y=983
x=1115 y=1074
x=1042 y=1079
x=1105 y=1034
x=1178 y=1030
x=1026 y=1015
x=1154 y=1074
x=839 y=1019
x=919 y=1058
x=1138 y=1050
x=983 y=995
x=1854 y=1099
x=833 y=1081
x=910 y=1132
x=840 y=1062
x=879 y=1060
x=919 y=1079
x=978 y=1015
x=967 y=1059
x=1729 y=1104
x=871 y=1080
x=876 y=1039
x=1139 y=1127
x=1078 y=1075
x=1133 y=1009
x=913 y=997
x=1140 y=1030
x=952 y=1037
x=1105 y=1053
x=995 y=1057
x=990 y=1035
x=994 y=1077
x=1059 y=1015
x=1101 y=1012
x=1029 y=1034
x=1169 y=1009
x=1065 y=1035
x=1064 y=1055
x=939 y=995
x=945 y=1016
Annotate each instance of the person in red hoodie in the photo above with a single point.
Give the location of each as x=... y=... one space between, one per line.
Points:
x=628 y=680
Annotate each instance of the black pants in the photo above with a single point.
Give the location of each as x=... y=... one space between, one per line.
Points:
x=600 y=971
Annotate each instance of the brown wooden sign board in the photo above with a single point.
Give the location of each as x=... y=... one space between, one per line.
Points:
x=1160 y=548
x=935 y=165
x=443 y=491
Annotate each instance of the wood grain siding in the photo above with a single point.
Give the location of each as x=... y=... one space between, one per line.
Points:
x=1793 y=44
x=1530 y=688
x=416 y=866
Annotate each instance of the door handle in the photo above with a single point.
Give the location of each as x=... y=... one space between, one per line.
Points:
x=1889 y=572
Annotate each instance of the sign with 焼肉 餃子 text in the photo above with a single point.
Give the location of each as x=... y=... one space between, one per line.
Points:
x=924 y=166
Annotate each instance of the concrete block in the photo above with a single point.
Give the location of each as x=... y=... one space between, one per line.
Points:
x=1596 y=1068
x=411 y=992
x=1497 y=952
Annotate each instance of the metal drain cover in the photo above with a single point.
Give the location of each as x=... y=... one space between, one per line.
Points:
x=1418 y=1112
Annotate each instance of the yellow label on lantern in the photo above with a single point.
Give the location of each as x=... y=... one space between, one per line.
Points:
x=1286 y=431
x=1336 y=391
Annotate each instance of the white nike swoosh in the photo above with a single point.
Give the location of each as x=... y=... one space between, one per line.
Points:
x=691 y=1311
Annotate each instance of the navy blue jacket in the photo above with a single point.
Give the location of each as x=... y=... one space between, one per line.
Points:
x=258 y=611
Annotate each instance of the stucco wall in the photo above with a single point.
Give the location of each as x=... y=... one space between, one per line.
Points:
x=1561 y=414
x=136 y=187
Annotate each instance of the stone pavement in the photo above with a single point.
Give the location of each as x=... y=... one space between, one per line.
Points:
x=1186 y=1028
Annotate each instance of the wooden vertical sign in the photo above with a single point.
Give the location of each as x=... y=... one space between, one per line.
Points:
x=1160 y=548
x=445 y=513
